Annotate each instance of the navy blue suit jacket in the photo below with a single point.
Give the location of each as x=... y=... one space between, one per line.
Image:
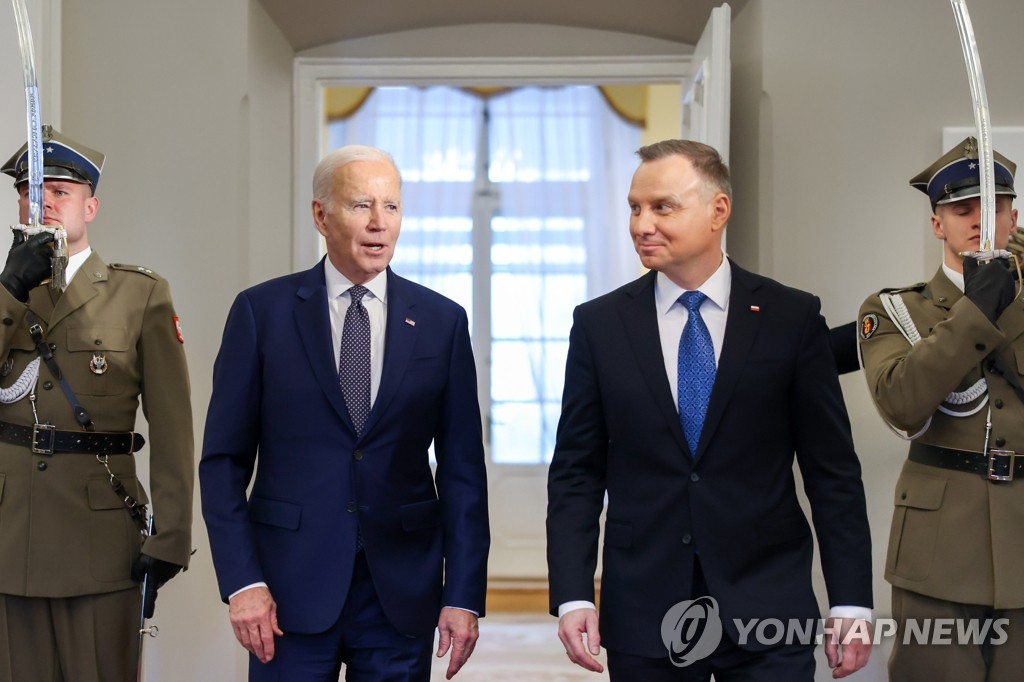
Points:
x=734 y=501
x=277 y=408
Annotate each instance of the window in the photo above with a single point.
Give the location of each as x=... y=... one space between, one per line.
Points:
x=513 y=206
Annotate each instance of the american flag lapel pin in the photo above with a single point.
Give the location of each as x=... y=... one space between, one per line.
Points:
x=755 y=308
x=411 y=322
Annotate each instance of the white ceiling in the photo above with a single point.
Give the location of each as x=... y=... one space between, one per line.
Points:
x=311 y=23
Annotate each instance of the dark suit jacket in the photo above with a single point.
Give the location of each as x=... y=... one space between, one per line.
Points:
x=277 y=406
x=776 y=393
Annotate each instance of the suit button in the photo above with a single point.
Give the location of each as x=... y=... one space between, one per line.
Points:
x=998 y=403
x=694 y=477
x=1000 y=442
x=41 y=466
x=350 y=507
x=687 y=539
x=8 y=322
x=358 y=455
x=903 y=495
x=53 y=348
x=47 y=385
x=979 y=346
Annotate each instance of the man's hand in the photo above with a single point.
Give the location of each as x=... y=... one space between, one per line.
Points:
x=847 y=645
x=253 y=615
x=572 y=627
x=28 y=264
x=990 y=286
x=159 y=572
x=458 y=631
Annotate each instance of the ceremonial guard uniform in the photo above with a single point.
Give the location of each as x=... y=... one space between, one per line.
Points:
x=72 y=550
x=944 y=370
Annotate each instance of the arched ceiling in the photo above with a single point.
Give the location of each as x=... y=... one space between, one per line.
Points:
x=311 y=23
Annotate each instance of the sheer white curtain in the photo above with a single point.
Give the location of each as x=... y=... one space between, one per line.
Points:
x=560 y=163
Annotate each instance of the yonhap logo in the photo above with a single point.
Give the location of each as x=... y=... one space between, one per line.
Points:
x=691 y=630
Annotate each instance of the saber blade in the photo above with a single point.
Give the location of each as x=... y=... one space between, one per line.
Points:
x=35 y=134
x=987 y=247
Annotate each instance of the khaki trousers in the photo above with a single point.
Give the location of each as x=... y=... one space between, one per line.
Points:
x=967 y=661
x=93 y=638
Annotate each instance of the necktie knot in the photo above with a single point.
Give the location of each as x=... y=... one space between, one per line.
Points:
x=692 y=300
x=357 y=292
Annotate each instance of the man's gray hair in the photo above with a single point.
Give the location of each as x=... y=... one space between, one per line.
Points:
x=323 y=176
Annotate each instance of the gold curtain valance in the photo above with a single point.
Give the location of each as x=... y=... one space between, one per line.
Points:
x=628 y=101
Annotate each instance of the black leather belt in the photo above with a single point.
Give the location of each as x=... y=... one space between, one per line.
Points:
x=997 y=465
x=44 y=439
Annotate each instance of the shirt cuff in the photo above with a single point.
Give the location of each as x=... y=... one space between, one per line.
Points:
x=462 y=609
x=858 y=612
x=247 y=587
x=574 y=606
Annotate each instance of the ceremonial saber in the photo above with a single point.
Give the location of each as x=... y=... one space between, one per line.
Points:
x=35 y=126
x=152 y=630
x=987 y=247
x=35 y=152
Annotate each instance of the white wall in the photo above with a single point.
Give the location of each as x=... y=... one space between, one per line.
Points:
x=836 y=105
x=191 y=103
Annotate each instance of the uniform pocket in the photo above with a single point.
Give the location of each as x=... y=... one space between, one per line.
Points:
x=915 y=525
x=96 y=355
x=114 y=539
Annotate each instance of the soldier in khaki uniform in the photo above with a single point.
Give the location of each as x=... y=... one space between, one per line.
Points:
x=944 y=362
x=72 y=554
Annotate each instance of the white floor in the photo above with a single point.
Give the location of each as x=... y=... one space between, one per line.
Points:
x=525 y=648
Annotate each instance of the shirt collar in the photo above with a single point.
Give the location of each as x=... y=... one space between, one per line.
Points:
x=716 y=288
x=338 y=284
x=76 y=262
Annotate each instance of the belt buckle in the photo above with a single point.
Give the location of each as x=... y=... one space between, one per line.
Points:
x=43 y=437
x=1000 y=465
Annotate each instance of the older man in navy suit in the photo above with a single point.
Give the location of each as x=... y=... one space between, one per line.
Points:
x=332 y=384
x=688 y=394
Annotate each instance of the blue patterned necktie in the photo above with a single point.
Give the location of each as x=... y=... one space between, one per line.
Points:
x=696 y=370
x=354 y=362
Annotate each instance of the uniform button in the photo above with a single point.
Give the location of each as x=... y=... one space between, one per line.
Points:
x=53 y=347
x=942 y=299
x=979 y=346
x=998 y=403
x=903 y=495
x=8 y=322
x=358 y=455
x=350 y=507
x=41 y=466
x=98 y=342
x=694 y=477
x=47 y=385
x=687 y=539
x=1000 y=442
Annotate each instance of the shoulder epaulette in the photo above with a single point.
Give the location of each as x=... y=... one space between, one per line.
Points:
x=899 y=290
x=134 y=268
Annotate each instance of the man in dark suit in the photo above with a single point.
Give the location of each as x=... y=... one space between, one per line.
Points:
x=701 y=498
x=332 y=384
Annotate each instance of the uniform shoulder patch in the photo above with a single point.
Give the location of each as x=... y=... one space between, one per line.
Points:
x=899 y=290
x=868 y=326
x=134 y=268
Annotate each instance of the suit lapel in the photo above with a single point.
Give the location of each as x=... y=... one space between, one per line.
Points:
x=640 y=319
x=740 y=332
x=313 y=322
x=399 y=340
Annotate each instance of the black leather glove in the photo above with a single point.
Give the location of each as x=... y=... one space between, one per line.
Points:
x=28 y=264
x=159 y=572
x=990 y=286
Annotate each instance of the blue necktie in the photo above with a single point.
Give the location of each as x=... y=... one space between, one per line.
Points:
x=696 y=370
x=354 y=362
